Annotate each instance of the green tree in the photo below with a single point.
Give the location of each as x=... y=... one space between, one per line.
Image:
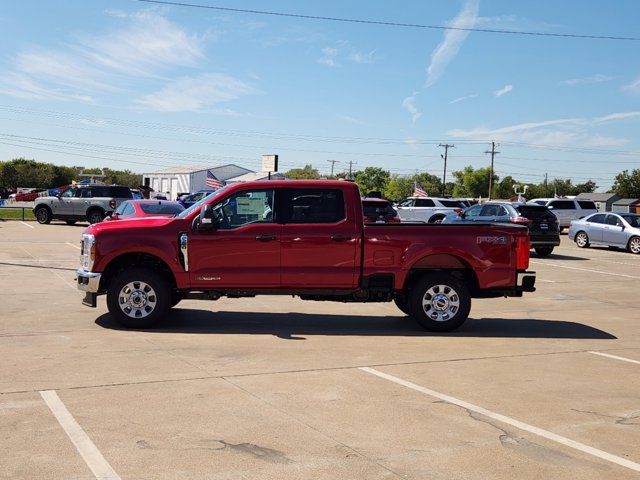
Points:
x=306 y=173
x=21 y=172
x=504 y=188
x=125 y=178
x=472 y=182
x=64 y=175
x=372 y=179
x=398 y=188
x=627 y=185
x=430 y=183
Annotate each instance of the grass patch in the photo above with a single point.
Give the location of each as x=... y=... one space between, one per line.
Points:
x=16 y=214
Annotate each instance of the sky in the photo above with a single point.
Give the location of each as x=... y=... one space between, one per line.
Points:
x=128 y=84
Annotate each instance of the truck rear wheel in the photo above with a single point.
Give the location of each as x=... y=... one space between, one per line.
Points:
x=138 y=298
x=439 y=302
x=43 y=215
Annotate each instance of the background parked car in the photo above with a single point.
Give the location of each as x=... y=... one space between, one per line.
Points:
x=544 y=231
x=427 y=209
x=567 y=209
x=378 y=210
x=88 y=202
x=145 y=208
x=189 y=200
x=608 y=229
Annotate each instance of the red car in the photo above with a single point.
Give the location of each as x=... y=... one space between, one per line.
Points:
x=378 y=210
x=145 y=208
x=304 y=238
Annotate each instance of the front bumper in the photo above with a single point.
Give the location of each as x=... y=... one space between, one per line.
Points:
x=88 y=282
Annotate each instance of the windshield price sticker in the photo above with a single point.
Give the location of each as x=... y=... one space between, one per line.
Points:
x=250 y=206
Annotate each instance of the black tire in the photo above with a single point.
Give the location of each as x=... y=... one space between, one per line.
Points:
x=436 y=219
x=634 y=245
x=71 y=222
x=402 y=303
x=43 y=215
x=544 y=251
x=176 y=298
x=445 y=290
x=159 y=293
x=95 y=215
x=582 y=239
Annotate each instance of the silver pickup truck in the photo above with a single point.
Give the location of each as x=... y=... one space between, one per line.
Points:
x=83 y=203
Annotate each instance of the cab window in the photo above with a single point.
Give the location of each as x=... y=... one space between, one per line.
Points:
x=244 y=208
x=313 y=205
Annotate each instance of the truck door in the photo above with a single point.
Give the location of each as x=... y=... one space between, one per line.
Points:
x=319 y=239
x=244 y=251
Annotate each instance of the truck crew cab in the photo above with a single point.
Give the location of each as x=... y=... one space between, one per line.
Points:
x=304 y=238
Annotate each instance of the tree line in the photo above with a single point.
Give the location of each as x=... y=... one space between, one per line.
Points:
x=471 y=183
x=21 y=172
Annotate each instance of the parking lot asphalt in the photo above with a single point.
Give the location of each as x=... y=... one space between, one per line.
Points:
x=544 y=386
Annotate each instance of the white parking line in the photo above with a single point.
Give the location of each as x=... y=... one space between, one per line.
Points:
x=587 y=270
x=26 y=224
x=86 y=448
x=510 y=421
x=615 y=357
x=72 y=245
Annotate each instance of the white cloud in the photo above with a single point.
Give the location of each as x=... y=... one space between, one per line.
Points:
x=147 y=45
x=352 y=120
x=561 y=132
x=365 y=58
x=410 y=104
x=192 y=94
x=447 y=50
x=461 y=99
x=503 y=91
x=328 y=57
x=597 y=78
x=633 y=87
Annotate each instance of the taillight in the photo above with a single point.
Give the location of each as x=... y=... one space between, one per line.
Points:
x=523 y=247
x=520 y=220
x=112 y=204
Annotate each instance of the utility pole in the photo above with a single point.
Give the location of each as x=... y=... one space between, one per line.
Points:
x=545 y=184
x=444 y=173
x=351 y=164
x=332 y=162
x=493 y=154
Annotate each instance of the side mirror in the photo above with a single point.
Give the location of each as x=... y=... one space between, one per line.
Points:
x=208 y=221
x=58 y=195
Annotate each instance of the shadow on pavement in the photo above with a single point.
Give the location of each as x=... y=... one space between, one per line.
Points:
x=555 y=256
x=292 y=325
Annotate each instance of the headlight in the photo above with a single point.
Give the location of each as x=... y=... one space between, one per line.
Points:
x=87 y=251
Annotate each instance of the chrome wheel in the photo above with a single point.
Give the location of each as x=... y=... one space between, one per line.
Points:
x=95 y=217
x=42 y=215
x=137 y=299
x=441 y=303
x=634 y=245
x=582 y=240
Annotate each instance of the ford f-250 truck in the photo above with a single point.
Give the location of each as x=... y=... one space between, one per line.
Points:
x=304 y=238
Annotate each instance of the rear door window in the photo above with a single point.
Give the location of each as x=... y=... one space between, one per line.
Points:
x=377 y=209
x=587 y=205
x=563 y=204
x=119 y=192
x=314 y=205
x=598 y=218
x=424 y=202
x=494 y=211
x=451 y=204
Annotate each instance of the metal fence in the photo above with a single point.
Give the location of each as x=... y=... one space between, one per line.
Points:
x=21 y=213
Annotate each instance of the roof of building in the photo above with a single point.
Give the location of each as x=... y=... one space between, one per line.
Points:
x=222 y=172
x=598 y=197
x=626 y=201
x=185 y=169
x=253 y=176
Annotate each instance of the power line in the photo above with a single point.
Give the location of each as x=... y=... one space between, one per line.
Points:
x=390 y=24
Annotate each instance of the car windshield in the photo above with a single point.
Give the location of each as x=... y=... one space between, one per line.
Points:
x=161 y=208
x=633 y=220
x=196 y=205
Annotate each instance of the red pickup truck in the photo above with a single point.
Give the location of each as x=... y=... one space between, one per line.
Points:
x=304 y=238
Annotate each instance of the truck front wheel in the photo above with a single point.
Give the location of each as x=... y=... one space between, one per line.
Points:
x=439 y=302
x=401 y=302
x=138 y=298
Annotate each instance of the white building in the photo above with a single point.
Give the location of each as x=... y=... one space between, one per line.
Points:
x=178 y=180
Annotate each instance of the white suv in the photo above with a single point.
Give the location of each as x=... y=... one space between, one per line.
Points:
x=427 y=209
x=567 y=209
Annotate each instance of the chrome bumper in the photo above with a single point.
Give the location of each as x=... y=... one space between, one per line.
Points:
x=88 y=281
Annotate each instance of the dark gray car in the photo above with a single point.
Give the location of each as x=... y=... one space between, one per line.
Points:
x=90 y=203
x=544 y=230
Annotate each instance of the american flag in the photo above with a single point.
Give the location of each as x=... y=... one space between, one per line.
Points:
x=213 y=182
x=418 y=191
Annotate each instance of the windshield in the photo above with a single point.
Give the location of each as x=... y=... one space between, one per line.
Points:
x=633 y=220
x=196 y=205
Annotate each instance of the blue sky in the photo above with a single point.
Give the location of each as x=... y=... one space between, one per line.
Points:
x=126 y=84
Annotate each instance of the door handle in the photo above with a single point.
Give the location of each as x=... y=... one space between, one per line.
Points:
x=340 y=238
x=265 y=238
